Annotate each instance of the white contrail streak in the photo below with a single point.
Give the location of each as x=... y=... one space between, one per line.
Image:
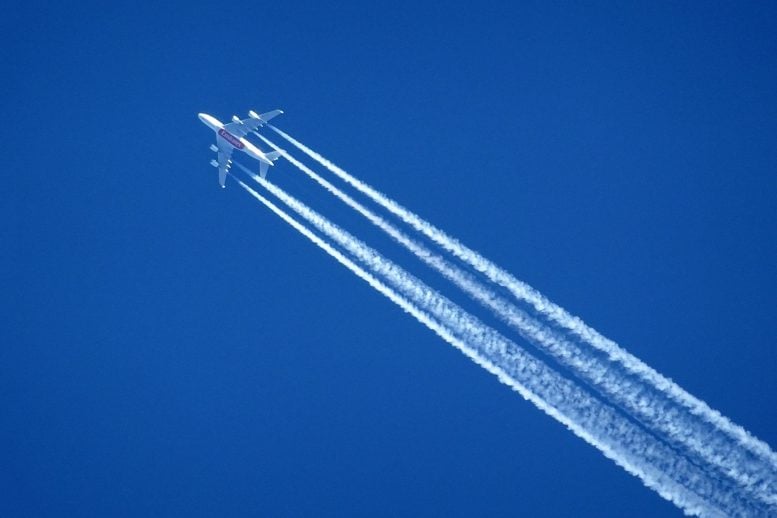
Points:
x=671 y=475
x=649 y=406
x=761 y=457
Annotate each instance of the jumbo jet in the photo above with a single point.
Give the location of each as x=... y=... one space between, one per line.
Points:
x=231 y=136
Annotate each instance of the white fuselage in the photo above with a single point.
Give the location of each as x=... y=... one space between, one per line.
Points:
x=240 y=144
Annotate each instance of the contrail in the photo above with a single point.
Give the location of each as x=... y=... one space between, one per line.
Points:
x=659 y=467
x=763 y=454
x=644 y=403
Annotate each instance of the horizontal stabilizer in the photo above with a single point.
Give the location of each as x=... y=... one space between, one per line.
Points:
x=263 y=169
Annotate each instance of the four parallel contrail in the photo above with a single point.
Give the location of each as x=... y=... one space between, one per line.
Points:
x=650 y=397
x=651 y=407
x=662 y=469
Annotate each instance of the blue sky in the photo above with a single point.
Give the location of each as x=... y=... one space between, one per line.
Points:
x=175 y=349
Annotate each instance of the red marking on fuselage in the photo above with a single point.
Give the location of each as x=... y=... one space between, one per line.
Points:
x=231 y=138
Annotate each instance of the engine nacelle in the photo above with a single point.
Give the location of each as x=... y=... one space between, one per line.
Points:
x=253 y=115
x=214 y=148
x=235 y=118
x=214 y=163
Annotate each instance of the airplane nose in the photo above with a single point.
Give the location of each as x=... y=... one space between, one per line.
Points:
x=209 y=121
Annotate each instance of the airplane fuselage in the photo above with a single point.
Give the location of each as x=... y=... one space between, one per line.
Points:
x=240 y=144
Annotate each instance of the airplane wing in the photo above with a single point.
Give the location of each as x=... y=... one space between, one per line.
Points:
x=224 y=164
x=242 y=127
x=264 y=117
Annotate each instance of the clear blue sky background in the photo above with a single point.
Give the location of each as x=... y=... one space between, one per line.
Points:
x=172 y=349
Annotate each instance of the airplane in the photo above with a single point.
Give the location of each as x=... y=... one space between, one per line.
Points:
x=231 y=136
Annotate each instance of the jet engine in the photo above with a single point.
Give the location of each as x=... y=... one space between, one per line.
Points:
x=214 y=148
x=214 y=163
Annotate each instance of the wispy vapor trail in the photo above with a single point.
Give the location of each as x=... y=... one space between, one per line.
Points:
x=644 y=403
x=730 y=447
x=660 y=468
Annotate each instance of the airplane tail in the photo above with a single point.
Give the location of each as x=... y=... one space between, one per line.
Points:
x=272 y=156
